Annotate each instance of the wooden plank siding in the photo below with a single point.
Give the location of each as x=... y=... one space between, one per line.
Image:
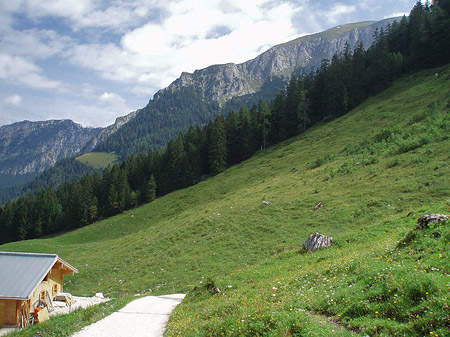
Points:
x=10 y=312
x=53 y=284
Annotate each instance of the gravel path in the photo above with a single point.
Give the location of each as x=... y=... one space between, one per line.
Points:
x=146 y=316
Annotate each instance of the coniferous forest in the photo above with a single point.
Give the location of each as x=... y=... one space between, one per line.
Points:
x=419 y=41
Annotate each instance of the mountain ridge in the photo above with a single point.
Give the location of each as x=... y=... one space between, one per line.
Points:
x=304 y=53
x=212 y=90
x=30 y=147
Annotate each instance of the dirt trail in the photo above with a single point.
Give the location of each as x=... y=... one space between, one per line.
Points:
x=146 y=316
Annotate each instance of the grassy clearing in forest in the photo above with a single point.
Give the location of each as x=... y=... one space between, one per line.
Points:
x=98 y=160
x=376 y=170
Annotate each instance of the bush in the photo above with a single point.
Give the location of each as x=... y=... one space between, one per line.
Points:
x=388 y=135
x=207 y=288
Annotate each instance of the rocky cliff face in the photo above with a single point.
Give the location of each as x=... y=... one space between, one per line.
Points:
x=108 y=131
x=31 y=147
x=222 y=82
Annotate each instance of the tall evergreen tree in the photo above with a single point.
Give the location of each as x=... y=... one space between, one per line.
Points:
x=440 y=28
x=303 y=119
x=289 y=119
x=150 y=190
x=217 y=146
x=244 y=135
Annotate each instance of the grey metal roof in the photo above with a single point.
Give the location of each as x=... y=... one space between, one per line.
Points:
x=21 y=273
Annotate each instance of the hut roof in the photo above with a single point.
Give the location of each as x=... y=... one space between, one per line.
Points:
x=21 y=273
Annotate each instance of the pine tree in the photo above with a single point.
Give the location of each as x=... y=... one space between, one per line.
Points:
x=192 y=146
x=244 y=135
x=357 y=87
x=303 y=119
x=439 y=31
x=150 y=190
x=177 y=163
x=7 y=228
x=232 y=135
x=289 y=119
x=217 y=146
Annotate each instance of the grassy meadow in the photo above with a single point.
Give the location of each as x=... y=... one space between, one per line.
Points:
x=376 y=170
x=98 y=160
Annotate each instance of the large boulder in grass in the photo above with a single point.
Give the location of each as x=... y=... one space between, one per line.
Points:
x=422 y=222
x=317 y=241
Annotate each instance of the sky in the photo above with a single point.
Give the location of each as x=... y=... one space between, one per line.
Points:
x=94 y=60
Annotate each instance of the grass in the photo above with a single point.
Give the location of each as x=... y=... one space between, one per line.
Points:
x=376 y=170
x=98 y=160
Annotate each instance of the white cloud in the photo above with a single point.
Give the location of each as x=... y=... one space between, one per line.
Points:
x=73 y=9
x=155 y=55
x=80 y=14
x=148 y=40
x=13 y=66
x=394 y=15
x=20 y=70
x=13 y=100
x=338 y=11
x=112 y=98
x=34 y=43
x=370 y=5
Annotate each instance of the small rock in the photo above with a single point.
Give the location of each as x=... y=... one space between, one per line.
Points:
x=422 y=222
x=317 y=241
x=99 y=295
x=319 y=205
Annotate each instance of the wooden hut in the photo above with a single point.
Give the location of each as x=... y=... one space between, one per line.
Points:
x=29 y=280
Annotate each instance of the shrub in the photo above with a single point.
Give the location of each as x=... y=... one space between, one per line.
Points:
x=388 y=135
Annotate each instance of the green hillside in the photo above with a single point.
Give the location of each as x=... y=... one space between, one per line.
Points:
x=376 y=170
x=98 y=159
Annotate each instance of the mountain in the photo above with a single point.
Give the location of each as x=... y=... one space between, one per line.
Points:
x=107 y=131
x=28 y=148
x=196 y=98
x=222 y=82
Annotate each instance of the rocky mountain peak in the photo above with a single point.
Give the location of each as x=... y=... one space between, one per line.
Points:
x=225 y=81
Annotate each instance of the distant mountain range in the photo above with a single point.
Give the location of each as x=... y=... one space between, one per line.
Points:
x=31 y=147
x=28 y=148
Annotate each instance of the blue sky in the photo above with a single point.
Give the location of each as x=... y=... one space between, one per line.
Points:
x=94 y=60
